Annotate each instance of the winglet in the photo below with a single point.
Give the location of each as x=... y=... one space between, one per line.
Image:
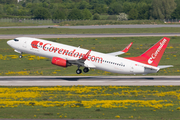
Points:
x=127 y=48
x=86 y=55
x=121 y=52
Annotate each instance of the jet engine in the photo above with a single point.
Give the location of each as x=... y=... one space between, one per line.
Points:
x=60 y=62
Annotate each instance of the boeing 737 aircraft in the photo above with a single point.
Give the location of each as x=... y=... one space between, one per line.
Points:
x=65 y=55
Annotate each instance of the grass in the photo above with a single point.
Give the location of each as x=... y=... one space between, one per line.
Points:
x=87 y=31
x=36 y=66
x=168 y=108
x=28 y=22
x=108 y=22
x=6 y=24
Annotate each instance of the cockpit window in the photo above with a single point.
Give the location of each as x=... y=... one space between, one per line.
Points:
x=16 y=40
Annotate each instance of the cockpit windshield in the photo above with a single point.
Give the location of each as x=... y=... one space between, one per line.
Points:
x=16 y=40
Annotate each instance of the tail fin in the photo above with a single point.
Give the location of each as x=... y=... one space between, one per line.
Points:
x=153 y=55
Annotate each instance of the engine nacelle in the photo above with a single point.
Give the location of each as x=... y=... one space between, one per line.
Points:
x=59 y=62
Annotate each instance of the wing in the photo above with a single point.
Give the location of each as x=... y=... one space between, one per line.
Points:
x=121 y=52
x=82 y=61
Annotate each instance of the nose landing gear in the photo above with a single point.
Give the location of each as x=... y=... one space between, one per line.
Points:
x=20 y=56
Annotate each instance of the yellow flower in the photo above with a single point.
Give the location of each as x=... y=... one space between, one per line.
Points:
x=117 y=116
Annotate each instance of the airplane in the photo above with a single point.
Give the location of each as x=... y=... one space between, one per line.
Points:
x=64 y=55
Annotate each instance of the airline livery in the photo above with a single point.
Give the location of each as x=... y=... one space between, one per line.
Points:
x=65 y=55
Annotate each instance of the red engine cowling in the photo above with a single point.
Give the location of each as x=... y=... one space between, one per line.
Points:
x=59 y=62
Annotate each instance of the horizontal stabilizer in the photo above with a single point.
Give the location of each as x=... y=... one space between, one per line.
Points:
x=164 y=66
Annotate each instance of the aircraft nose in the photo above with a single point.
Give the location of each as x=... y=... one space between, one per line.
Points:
x=9 y=42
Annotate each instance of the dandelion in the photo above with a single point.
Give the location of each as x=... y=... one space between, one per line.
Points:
x=92 y=47
x=31 y=59
x=117 y=116
x=127 y=53
x=170 y=47
x=54 y=72
x=34 y=115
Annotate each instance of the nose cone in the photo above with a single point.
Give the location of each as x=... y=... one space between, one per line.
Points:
x=9 y=42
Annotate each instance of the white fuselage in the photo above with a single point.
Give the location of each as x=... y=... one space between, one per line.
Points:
x=95 y=60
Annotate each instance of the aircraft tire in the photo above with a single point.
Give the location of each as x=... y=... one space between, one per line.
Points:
x=78 y=71
x=20 y=56
x=86 y=69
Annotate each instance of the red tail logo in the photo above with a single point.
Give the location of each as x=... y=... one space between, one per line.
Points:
x=154 y=54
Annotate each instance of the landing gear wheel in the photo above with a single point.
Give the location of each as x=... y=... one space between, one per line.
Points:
x=78 y=71
x=20 y=56
x=86 y=69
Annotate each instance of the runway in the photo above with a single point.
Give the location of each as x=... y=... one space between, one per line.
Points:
x=88 y=80
x=88 y=35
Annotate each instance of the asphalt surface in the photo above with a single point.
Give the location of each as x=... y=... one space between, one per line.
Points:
x=88 y=80
x=98 y=26
x=88 y=35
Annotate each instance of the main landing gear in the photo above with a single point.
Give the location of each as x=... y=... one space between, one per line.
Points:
x=79 y=71
x=86 y=69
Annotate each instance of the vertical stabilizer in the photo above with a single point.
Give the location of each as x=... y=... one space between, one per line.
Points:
x=153 y=55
